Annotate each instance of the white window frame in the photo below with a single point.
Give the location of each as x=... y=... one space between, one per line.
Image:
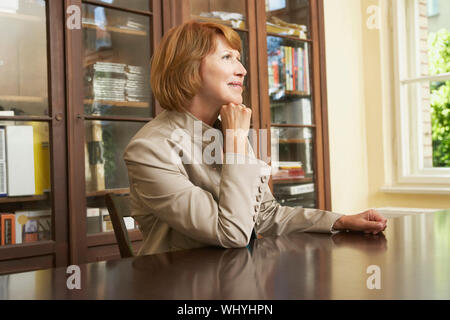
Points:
x=409 y=153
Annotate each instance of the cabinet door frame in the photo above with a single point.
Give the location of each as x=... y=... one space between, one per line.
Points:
x=80 y=242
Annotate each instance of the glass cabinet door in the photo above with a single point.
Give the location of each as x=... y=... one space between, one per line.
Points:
x=117 y=99
x=25 y=145
x=291 y=104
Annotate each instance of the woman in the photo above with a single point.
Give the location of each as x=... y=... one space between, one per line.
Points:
x=183 y=202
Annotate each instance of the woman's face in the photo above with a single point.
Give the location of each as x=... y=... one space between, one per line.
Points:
x=222 y=74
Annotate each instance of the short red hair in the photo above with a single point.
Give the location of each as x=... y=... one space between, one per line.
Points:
x=175 y=69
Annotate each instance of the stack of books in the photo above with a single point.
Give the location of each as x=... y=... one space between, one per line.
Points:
x=286 y=170
x=135 y=89
x=25 y=227
x=110 y=81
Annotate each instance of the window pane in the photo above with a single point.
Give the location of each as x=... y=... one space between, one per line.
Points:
x=438 y=124
x=116 y=75
x=130 y=4
x=288 y=17
x=25 y=189
x=229 y=12
x=23 y=58
x=293 y=166
x=427 y=26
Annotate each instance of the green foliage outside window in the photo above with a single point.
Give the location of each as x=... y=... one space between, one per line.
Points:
x=439 y=55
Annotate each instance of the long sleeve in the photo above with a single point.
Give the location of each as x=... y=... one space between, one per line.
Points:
x=165 y=190
x=274 y=219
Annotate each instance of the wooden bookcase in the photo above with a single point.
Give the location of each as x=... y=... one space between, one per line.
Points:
x=88 y=125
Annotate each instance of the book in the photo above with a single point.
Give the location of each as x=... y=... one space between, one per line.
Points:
x=107 y=223
x=9 y=113
x=295 y=190
x=285 y=170
x=306 y=69
x=41 y=157
x=8 y=228
x=95 y=162
x=32 y=226
x=276 y=78
x=94 y=220
x=20 y=160
x=295 y=66
x=3 y=182
x=301 y=69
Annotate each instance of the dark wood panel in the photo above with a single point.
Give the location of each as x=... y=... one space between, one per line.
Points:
x=324 y=107
x=75 y=141
x=317 y=102
x=105 y=238
x=108 y=252
x=58 y=157
x=17 y=251
x=26 y=264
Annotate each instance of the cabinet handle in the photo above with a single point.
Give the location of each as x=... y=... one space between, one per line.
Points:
x=58 y=117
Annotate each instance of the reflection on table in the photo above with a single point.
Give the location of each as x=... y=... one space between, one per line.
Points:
x=413 y=256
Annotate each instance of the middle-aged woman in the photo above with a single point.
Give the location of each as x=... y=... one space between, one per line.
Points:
x=180 y=201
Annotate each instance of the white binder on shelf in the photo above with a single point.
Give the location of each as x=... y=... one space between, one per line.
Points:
x=3 y=179
x=20 y=160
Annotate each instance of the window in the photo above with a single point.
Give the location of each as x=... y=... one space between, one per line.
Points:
x=422 y=85
x=433 y=8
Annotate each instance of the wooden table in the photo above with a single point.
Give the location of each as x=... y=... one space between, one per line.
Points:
x=413 y=256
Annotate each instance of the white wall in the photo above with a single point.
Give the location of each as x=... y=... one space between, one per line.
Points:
x=346 y=105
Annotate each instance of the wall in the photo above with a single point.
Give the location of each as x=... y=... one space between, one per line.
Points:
x=346 y=100
x=360 y=112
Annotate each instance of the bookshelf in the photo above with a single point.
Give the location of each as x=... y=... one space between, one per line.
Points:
x=118 y=103
x=116 y=29
x=87 y=124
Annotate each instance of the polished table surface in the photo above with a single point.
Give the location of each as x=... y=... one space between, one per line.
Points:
x=413 y=256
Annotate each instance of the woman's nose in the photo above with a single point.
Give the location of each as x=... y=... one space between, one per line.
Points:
x=241 y=70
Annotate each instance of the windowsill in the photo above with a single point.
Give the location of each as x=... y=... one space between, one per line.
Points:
x=416 y=190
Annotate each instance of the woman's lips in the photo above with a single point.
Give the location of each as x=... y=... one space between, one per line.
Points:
x=235 y=85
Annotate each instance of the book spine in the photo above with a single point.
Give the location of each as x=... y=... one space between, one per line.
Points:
x=276 y=78
x=291 y=69
x=8 y=229
x=306 y=67
x=20 y=160
x=41 y=157
x=295 y=73
x=301 y=69
x=286 y=67
x=281 y=68
x=3 y=172
x=271 y=79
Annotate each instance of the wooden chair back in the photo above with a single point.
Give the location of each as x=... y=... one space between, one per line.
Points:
x=119 y=207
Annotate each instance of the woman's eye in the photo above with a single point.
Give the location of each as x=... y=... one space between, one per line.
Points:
x=229 y=56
